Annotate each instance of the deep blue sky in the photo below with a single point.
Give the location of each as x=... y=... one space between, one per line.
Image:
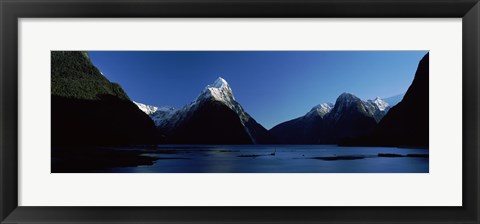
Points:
x=272 y=86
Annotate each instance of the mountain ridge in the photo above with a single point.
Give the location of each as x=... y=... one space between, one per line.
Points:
x=216 y=98
x=329 y=127
x=88 y=109
x=318 y=125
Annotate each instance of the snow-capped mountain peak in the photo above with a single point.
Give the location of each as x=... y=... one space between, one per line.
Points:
x=146 y=108
x=219 y=83
x=219 y=90
x=380 y=103
x=168 y=119
x=321 y=109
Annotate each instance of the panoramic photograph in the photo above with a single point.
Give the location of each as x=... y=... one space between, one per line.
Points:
x=240 y=111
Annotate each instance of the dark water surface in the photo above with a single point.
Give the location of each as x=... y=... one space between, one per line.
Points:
x=279 y=159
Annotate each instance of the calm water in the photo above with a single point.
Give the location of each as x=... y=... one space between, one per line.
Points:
x=286 y=159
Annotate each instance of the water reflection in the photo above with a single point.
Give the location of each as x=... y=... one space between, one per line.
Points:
x=282 y=159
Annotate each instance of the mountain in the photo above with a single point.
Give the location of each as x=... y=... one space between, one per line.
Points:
x=88 y=109
x=379 y=108
x=146 y=108
x=214 y=117
x=307 y=129
x=162 y=114
x=350 y=118
x=380 y=104
x=407 y=123
x=159 y=115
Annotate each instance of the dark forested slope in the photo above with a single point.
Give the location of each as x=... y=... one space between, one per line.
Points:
x=88 y=109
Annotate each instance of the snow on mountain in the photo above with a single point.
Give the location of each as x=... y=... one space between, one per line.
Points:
x=162 y=115
x=221 y=91
x=146 y=108
x=158 y=114
x=379 y=108
x=321 y=110
x=380 y=104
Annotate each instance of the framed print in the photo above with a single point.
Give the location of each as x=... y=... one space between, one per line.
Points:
x=249 y=112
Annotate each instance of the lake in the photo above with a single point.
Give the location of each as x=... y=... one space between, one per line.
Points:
x=278 y=159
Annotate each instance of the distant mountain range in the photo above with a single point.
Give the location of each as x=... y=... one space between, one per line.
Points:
x=89 y=109
x=349 y=117
x=327 y=123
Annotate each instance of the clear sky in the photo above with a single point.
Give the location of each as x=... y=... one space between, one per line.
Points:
x=272 y=86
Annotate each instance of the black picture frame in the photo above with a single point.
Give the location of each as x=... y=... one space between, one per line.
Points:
x=12 y=10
